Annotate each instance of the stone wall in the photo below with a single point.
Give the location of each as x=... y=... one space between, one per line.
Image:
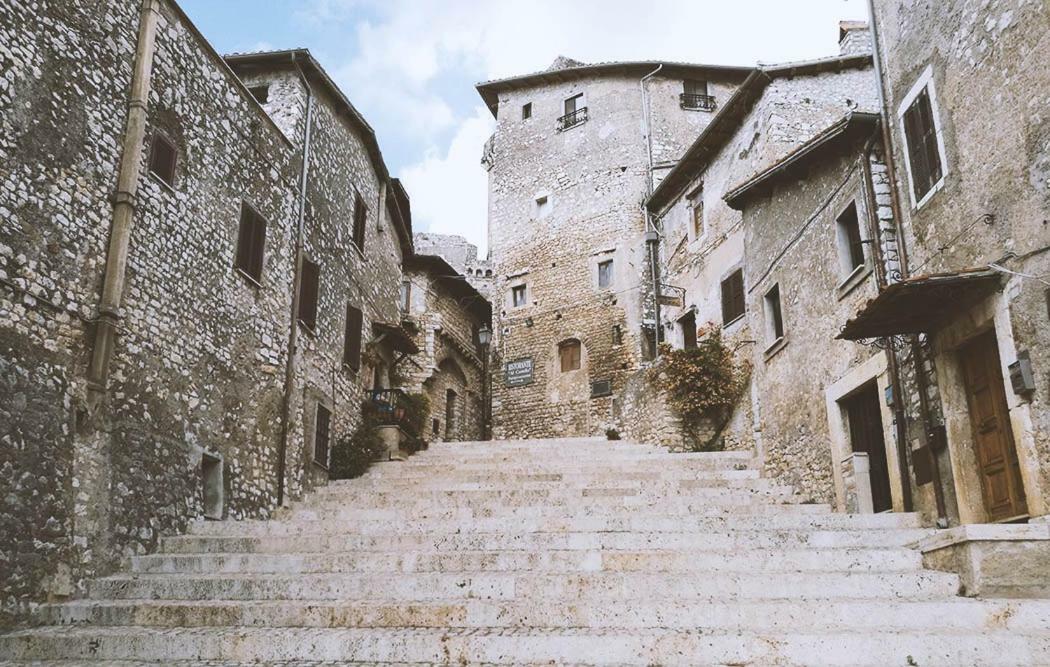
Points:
x=461 y=254
x=201 y=352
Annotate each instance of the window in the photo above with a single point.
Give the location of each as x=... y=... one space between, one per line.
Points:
x=352 y=338
x=360 y=222
x=162 y=157
x=605 y=274
x=617 y=335
x=774 y=315
x=695 y=95
x=526 y=111
x=575 y=112
x=543 y=206
x=309 y=285
x=733 y=296
x=569 y=355
x=260 y=93
x=694 y=87
x=851 y=247
x=406 y=296
x=518 y=296
x=687 y=324
x=696 y=211
x=573 y=104
x=922 y=143
x=250 y=243
x=321 y=430
x=212 y=487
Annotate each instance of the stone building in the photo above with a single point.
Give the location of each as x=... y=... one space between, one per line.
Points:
x=716 y=261
x=965 y=88
x=461 y=255
x=576 y=151
x=195 y=254
x=446 y=312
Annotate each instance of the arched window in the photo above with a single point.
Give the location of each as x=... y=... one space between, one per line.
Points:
x=569 y=355
x=488 y=273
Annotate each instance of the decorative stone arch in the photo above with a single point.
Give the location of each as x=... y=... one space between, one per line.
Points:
x=452 y=396
x=570 y=384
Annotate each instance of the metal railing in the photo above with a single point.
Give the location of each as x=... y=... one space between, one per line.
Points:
x=388 y=403
x=693 y=101
x=572 y=119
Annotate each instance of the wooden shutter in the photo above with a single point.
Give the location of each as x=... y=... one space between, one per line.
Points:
x=733 y=297
x=162 y=159
x=360 y=222
x=251 y=242
x=570 y=355
x=322 y=429
x=921 y=135
x=309 y=287
x=352 y=339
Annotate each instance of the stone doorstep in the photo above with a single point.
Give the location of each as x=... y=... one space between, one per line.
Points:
x=993 y=560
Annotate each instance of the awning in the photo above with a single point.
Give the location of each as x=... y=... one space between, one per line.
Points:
x=921 y=304
x=399 y=339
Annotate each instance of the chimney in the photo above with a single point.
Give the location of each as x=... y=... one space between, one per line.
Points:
x=854 y=38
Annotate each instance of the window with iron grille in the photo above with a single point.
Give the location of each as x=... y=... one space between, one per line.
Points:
x=605 y=274
x=309 y=288
x=733 y=305
x=352 y=338
x=851 y=245
x=162 y=159
x=569 y=355
x=774 y=315
x=518 y=296
x=360 y=222
x=526 y=111
x=924 y=157
x=695 y=95
x=251 y=241
x=322 y=424
x=574 y=112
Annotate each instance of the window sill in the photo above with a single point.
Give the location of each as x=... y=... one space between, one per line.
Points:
x=163 y=184
x=853 y=280
x=252 y=282
x=320 y=465
x=777 y=345
x=739 y=318
x=929 y=195
x=307 y=329
x=359 y=251
x=350 y=369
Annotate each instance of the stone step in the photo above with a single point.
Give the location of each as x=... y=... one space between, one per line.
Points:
x=784 y=517
x=793 y=615
x=580 y=560
x=414 y=586
x=729 y=479
x=526 y=645
x=410 y=468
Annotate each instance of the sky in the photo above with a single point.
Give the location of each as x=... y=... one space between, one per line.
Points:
x=410 y=66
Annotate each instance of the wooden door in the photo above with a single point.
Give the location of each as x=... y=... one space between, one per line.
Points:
x=865 y=430
x=993 y=439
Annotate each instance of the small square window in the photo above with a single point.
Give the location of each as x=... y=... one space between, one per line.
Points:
x=251 y=241
x=518 y=296
x=261 y=93
x=733 y=304
x=850 y=244
x=309 y=286
x=322 y=425
x=774 y=315
x=543 y=206
x=162 y=159
x=526 y=111
x=605 y=274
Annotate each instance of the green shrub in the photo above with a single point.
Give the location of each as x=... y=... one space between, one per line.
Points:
x=353 y=454
x=417 y=412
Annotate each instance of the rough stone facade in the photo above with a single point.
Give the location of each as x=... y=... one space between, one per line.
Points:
x=198 y=369
x=461 y=255
x=446 y=312
x=982 y=67
x=565 y=198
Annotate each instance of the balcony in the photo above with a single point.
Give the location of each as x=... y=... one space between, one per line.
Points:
x=573 y=119
x=388 y=404
x=697 y=102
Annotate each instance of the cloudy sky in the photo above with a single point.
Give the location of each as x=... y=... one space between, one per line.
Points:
x=410 y=65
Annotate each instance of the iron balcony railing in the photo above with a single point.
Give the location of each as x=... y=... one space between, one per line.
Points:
x=388 y=403
x=693 y=101
x=572 y=119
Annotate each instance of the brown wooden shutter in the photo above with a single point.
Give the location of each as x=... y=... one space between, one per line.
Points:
x=162 y=159
x=360 y=222
x=352 y=339
x=322 y=430
x=251 y=243
x=309 y=286
x=733 y=305
x=921 y=135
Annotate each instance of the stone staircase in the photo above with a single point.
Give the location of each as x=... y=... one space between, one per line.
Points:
x=541 y=553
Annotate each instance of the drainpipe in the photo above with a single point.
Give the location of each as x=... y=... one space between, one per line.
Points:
x=129 y=170
x=293 y=333
x=902 y=254
x=899 y=416
x=652 y=236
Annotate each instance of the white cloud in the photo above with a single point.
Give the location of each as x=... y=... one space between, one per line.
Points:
x=449 y=190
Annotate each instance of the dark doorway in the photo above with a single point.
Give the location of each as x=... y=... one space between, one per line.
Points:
x=450 y=415
x=865 y=432
x=993 y=440
x=687 y=323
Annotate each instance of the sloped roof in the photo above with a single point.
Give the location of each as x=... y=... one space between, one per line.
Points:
x=727 y=120
x=447 y=276
x=566 y=69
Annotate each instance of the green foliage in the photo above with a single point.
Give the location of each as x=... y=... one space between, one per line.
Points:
x=353 y=454
x=417 y=412
x=703 y=385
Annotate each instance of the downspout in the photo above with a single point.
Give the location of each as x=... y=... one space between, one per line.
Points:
x=652 y=236
x=899 y=415
x=902 y=254
x=293 y=333
x=129 y=170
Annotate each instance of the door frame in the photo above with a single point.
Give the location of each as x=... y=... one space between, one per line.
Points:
x=991 y=314
x=875 y=368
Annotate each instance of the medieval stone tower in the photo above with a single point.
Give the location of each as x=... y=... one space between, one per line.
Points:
x=576 y=151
